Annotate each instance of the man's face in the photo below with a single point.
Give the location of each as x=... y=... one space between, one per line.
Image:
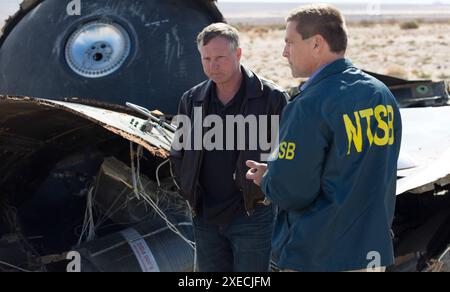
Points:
x=299 y=52
x=220 y=62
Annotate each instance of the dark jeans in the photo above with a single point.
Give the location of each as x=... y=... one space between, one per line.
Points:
x=244 y=245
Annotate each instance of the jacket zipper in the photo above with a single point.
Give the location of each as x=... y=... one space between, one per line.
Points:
x=200 y=162
x=243 y=111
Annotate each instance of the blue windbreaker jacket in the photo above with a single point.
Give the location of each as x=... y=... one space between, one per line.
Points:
x=333 y=176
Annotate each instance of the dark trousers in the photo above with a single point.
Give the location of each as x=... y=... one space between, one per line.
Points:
x=244 y=245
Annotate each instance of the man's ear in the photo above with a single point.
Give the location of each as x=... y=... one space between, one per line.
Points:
x=318 y=42
x=239 y=53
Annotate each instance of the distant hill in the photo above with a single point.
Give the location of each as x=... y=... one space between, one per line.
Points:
x=275 y=12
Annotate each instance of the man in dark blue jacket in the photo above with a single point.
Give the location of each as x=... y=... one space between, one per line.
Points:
x=334 y=174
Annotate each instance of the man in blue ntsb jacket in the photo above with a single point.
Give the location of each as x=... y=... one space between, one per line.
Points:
x=334 y=174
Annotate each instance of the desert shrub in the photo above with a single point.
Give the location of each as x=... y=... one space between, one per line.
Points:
x=409 y=25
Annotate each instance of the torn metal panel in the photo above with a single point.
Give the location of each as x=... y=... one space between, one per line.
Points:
x=426 y=140
x=37 y=135
x=124 y=125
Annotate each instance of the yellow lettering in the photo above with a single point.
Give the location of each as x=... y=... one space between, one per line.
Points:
x=354 y=134
x=282 y=152
x=390 y=110
x=368 y=114
x=290 y=153
x=381 y=110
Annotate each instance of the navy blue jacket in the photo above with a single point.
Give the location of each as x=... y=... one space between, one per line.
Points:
x=334 y=174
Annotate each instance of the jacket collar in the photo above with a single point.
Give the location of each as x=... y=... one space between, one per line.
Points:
x=253 y=86
x=333 y=68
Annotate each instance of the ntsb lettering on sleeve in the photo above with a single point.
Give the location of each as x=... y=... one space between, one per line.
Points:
x=381 y=116
x=287 y=150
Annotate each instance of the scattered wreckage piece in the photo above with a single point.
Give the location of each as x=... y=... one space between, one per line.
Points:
x=422 y=213
x=147 y=247
x=150 y=246
x=420 y=93
x=157 y=142
x=54 y=155
x=426 y=141
x=444 y=261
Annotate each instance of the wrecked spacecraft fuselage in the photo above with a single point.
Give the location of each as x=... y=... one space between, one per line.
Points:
x=83 y=175
x=52 y=197
x=67 y=185
x=139 y=51
x=67 y=179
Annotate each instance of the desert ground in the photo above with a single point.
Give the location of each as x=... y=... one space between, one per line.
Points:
x=394 y=48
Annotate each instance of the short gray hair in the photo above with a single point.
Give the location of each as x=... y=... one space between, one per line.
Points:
x=222 y=30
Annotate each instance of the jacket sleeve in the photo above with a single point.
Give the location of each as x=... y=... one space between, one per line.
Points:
x=176 y=156
x=293 y=179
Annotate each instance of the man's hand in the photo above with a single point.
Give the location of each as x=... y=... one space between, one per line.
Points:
x=256 y=171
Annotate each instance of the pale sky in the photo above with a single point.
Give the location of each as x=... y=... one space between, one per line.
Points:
x=348 y=1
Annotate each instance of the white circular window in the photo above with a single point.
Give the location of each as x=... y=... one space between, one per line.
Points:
x=97 y=49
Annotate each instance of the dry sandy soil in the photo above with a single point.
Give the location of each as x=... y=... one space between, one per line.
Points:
x=422 y=53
